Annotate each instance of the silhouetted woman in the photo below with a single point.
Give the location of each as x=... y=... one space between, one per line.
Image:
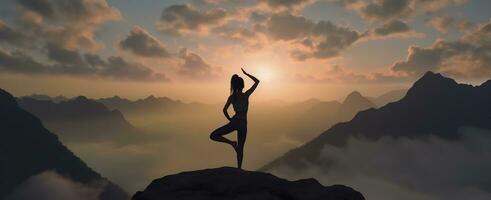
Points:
x=240 y=102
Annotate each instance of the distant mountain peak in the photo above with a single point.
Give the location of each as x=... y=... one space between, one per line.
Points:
x=355 y=97
x=81 y=98
x=431 y=84
x=434 y=78
x=151 y=97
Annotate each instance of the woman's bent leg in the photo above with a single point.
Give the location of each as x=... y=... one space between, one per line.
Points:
x=241 y=138
x=217 y=135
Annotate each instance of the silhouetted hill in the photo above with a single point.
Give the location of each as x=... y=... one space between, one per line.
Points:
x=434 y=105
x=27 y=149
x=83 y=120
x=388 y=97
x=231 y=183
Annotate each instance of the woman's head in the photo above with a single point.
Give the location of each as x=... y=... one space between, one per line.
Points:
x=236 y=84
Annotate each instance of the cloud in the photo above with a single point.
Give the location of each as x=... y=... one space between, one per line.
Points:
x=250 y=39
x=444 y=23
x=193 y=66
x=10 y=36
x=314 y=40
x=286 y=4
x=338 y=74
x=402 y=168
x=394 y=9
x=345 y=3
x=70 y=24
x=17 y=61
x=180 y=19
x=287 y=27
x=70 y=62
x=142 y=43
x=386 y=9
x=469 y=56
x=118 y=68
x=393 y=28
x=50 y=185
x=64 y=56
x=61 y=30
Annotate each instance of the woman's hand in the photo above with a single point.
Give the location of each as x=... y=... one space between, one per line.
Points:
x=243 y=71
x=253 y=87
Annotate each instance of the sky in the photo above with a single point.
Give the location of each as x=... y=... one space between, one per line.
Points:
x=299 y=49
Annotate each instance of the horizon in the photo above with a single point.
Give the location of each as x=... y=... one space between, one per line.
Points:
x=338 y=98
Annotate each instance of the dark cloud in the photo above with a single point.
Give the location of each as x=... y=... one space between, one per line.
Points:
x=194 y=66
x=392 y=27
x=249 y=39
x=393 y=9
x=179 y=19
x=317 y=40
x=52 y=186
x=17 y=61
x=70 y=62
x=70 y=24
x=64 y=56
x=10 y=36
x=407 y=168
x=345 y=3
x=289 y=27
x=444 y=23
x=286 y=4
x=142 y=43
x=470 y=56
x=386 y=9
x=90 y=11
x=61 y=30
x=119 y=68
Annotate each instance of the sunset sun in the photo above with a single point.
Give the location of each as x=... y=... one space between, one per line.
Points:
x=265 y=74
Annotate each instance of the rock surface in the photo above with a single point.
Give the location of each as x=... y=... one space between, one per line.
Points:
x=229 y=183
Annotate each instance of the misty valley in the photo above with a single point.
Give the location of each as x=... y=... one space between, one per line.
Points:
x=155 y=136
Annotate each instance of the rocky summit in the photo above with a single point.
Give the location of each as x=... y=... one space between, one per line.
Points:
x=228 y=183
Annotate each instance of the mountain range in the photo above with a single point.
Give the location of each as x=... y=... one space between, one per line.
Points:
x=55 y=99
x=27 y=148
x=80 y=120
x=434 y=105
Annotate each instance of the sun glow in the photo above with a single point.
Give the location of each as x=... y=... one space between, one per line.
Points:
x=265 y=74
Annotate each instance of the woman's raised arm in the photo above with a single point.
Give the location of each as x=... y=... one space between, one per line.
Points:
x=254 y=86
